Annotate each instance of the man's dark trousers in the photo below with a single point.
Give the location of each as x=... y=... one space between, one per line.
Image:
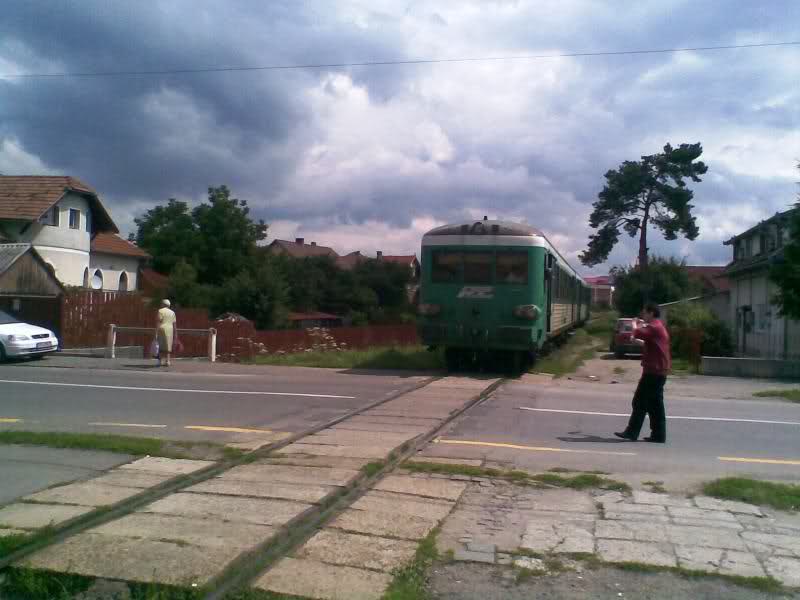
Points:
x=649 y=400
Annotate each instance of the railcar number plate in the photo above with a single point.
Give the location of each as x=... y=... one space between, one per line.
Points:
x=478 y=292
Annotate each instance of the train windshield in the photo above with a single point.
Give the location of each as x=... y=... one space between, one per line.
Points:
x=446 y=266
x=512 y=267
x=480 y=268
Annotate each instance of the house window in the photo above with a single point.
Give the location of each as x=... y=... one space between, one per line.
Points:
x=74 y=218
x=86 y=277
x=123 y=282
x=50 y=217
x=763 y=316
x=97 y=280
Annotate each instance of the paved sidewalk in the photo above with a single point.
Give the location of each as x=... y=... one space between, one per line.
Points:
x=60 y=504
x=189 y=537
x=27 y=469
x=499 y=523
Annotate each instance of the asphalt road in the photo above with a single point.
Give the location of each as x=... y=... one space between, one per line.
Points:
x=208 y=403
x=536 y=424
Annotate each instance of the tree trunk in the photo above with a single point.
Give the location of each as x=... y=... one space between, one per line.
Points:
x=643 y=254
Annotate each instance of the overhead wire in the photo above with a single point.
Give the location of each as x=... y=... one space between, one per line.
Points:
x=381 y=63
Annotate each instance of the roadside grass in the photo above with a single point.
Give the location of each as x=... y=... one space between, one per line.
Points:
x=414 y=358
x=657 y=487
x=790 y=395
x=373 y=468
x=9 y=543
x=137 y=446
x=580 y=481
x=567 y=358
x=31 y=584
x=765 y=493
x=681 y=366
x=410 y=582
x=619 y=371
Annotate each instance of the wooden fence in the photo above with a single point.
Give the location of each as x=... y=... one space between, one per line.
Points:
x=86 y=315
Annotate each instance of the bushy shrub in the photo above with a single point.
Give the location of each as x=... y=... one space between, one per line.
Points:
x=689 y=320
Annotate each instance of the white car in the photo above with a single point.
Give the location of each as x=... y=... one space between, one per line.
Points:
x=19 y=340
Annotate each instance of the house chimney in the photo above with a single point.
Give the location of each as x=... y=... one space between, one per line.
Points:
x=380 y=254
x=313 y=243
x=300 y=241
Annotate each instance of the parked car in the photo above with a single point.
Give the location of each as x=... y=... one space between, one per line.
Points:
x=19 y=340
x=622 y=340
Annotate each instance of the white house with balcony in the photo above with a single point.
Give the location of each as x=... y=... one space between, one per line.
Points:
x=70 y=229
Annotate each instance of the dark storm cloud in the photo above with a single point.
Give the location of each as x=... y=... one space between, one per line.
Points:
x=331 y=147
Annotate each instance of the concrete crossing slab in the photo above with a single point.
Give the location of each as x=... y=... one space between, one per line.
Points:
x=378 y=522
x=85 y=493
x=292 y=474
x=35 y=516
x=187 y=530
x=170 y=466
x=313 y=579
x=228 y=508
x=443 y=489
x=262 y=489
x=351 y=451
x=357 y=550
x=129 y=559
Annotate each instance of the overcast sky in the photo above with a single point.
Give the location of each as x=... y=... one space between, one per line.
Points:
x=369 y=158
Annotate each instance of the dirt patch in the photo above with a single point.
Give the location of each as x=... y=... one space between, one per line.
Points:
x=471 y=581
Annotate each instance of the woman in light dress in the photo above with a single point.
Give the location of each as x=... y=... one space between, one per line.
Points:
x=166 y=327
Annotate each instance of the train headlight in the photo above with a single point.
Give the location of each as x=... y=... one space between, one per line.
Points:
x=429 y=310
x=527 y=311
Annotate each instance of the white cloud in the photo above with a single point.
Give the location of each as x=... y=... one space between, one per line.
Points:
x=14 y=160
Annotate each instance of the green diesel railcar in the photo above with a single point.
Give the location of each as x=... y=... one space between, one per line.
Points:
x=496 y=292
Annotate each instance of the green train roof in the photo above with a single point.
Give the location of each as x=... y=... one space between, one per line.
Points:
x=486 y=227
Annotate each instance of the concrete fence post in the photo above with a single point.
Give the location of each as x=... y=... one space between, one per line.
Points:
x=212 y=345
x=111 y=341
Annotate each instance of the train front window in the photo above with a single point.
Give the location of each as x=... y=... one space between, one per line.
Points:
x=512 y=267
x=446 y=266
x=478 y=267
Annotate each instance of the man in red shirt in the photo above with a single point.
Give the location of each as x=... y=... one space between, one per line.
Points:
x=656 y=364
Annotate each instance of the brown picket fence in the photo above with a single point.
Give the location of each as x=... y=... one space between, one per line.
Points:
x=86 y=315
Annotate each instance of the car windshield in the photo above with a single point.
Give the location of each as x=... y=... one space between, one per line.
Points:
x=6 y=319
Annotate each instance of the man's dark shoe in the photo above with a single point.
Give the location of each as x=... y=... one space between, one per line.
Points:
x=624 y=435
x=655 y=440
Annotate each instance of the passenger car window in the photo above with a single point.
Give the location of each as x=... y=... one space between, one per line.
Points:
x=478 y=267
x=512 y=267
x=446 y=266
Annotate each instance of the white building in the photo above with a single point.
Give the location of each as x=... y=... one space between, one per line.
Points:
x=759 y=330
x=67 y=224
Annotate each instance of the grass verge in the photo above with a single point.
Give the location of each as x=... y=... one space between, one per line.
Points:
x=410 y=581
x=373 y=468
x=568 y=357
x=790 y=395
x=30 y=584
x=138 y=446
x=580 y=481
x=415 y=358
x=766 y=493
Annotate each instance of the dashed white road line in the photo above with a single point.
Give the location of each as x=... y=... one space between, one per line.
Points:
x=607 y=414
x=174 y=390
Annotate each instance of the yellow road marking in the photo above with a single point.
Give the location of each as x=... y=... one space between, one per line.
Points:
x=531 y=448
x=10 y=420
x=229 y=429
x=146 y=425
x=767 y=461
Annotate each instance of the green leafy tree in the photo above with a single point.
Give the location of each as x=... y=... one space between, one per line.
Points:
x=786 y=270
x=259 y=293
x=227 y=235
x=169 y=234
x=666 y=280
x=185 y=291
x=650 y=191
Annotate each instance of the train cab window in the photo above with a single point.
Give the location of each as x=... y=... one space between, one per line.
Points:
x=478 y=267
x=512 y=267
x=446 y=266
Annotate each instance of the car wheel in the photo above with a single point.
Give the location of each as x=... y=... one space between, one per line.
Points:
x=619 y=355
